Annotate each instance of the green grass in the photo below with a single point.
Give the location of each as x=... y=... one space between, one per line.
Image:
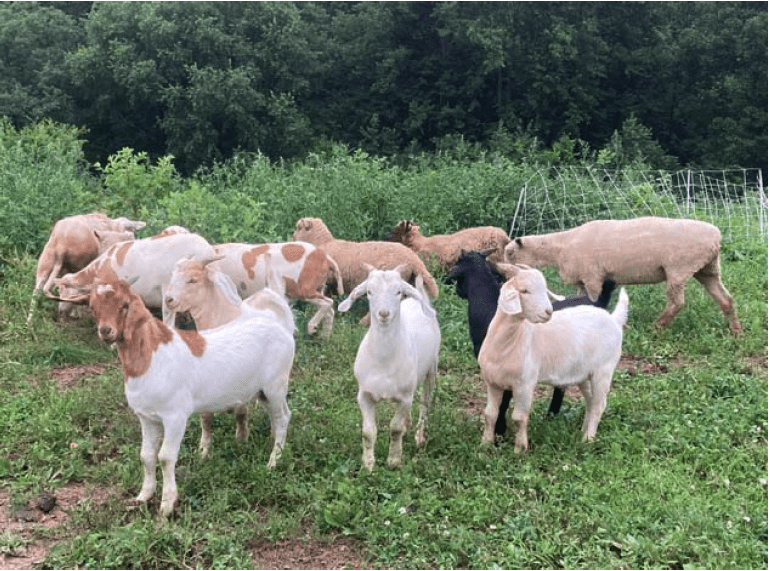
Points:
x=677 y=477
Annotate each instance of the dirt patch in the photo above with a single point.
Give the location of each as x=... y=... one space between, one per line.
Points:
x=24 y=522
x=69 y=377
x=305 y=553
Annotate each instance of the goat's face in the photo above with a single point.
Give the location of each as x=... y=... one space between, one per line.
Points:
x=472 y=264
x=526 y=294
x=110 y=305
x=385 y=290
x=186 y=287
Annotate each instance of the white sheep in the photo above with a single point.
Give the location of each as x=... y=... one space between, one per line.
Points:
x=75 y=242
x=211 y=298
x=645 y=250
x=351 y=256
x=151 y=259
x=303 y=269
x=399 y=351
x=527 y=343
x=171 y=374
x=448 y=248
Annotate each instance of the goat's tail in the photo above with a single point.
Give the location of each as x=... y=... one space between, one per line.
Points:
x=431 y=287
x=335 y=269
x=620 y=314
x=603 y=301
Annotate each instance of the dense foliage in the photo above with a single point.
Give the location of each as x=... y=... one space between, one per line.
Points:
x=203 y=80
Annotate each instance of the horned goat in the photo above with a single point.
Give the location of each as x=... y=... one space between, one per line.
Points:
x=351 y=256
x=478 y=281
x=645 y=250
x=447 y=248
x=171 y=374
x=303 y=268
x=211 y=298
x=399 y=351
x=75 y=241
x=528 y=343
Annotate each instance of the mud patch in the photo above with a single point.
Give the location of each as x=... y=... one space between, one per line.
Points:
x=69 y=377
x=23 y=523
x=342 y=553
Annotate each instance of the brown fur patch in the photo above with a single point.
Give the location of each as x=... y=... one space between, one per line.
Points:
x=195 y=341
x=292 y=252
x=250 y=258
x=312 y=276
x=120 y=257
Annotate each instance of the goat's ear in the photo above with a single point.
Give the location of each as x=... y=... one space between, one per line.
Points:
x=554 y=296
x=358 y=291
x=509 y=301
x=508 y=270
x=519 y=241
x=132 y=280
x=414 y=293
x=226 y=285
x=402 y=269
x=368 y=267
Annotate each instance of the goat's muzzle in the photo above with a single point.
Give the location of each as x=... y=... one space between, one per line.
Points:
x=108 y=334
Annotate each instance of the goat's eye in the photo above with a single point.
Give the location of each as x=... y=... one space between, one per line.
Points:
x=192 y=281
x=525 y=291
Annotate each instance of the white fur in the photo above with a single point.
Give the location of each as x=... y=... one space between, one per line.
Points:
x=528 y=344
x=399 y=351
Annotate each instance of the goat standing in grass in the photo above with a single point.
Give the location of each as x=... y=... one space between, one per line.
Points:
x=171 y=374
x=525 y=345
x=399 y=351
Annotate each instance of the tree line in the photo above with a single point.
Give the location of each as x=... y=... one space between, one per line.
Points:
x=203 y=81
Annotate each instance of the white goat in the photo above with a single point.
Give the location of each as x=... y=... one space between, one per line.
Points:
x=399 y=351
x=211 y=298
x=525 y=345
x=171 y=374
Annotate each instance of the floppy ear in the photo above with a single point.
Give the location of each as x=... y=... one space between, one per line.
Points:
x=225 y=284
x=509 y=301
x=358 y=291
x=412 y=292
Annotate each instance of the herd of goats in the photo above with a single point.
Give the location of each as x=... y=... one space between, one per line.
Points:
x=241 y=347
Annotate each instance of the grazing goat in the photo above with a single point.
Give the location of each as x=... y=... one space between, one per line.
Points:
x=171 y=374
x=478 y=281
x=150 y=259
x=211 y=298
x=527 y=343
x=352 y=256
x=645 y=250
x=399 y=351
x=448 y=248
x=303 y=268
x=75 y=241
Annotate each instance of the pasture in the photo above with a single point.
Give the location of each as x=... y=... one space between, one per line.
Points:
x=677 y=477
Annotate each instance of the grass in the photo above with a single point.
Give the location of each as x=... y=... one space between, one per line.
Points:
x=677 y=477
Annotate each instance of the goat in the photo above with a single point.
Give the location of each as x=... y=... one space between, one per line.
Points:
x=478 y=281
x=399 y=351
x=211 y=298
x=171 y=374
x=75 y=241
x=528 y=343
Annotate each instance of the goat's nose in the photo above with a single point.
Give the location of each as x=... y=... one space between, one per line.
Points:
x=169 y=300
x=549 y=312
x=384 y=313
x=105 y=331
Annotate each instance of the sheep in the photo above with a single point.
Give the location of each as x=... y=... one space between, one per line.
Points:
x=641 y=251
x=399 y=351
x=351 y=256
x=478 y=281
x=303 y=268
x=73 y=244
x=211 y=297
x=448 y=248
x=151 y=259
x=171 y=374
x=528 y=343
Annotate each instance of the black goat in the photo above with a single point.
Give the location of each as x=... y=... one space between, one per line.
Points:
x=478 y=280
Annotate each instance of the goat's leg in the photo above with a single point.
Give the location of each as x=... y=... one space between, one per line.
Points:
x=173 y=429
x=675 y=295
x=152 y=433
x=399 y=425
x=595 y=392
x=425 y=400
x=242 y=422
x=207 y=421
x=714 y=287
x=324 y=315
x=556 y=400
x=279 y=425
x=494 y=398
x=520 y=415
x=368 y=428
x=500 y=424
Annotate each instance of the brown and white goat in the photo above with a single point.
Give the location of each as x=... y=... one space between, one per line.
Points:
x=171 y=374
x=75 y=242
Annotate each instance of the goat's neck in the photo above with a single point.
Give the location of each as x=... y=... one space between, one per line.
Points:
x=506 y=339
x=549 y=250
x=386 y=340
x=137 y=347
x=210 y=315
